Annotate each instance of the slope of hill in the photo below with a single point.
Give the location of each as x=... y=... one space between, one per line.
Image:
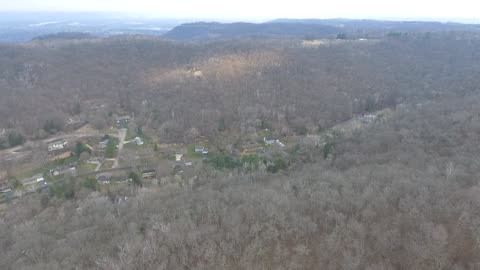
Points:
x=244 y=84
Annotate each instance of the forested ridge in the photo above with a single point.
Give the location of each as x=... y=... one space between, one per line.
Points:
x=244 y=84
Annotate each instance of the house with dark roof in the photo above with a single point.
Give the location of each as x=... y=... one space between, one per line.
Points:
x=122 y=121
x=104 y=179
x=149 y=174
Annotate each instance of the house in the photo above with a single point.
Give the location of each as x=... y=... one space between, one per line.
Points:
x=43 y=184
x=64 y=155
x=269 y=140
x=95 y=160
x=103 y=179
x=138 y=141
x=103 y=143
x=368 y=118
x=72 y=121
x=178 y=157
x=199 y=149
x=4 y=187
x=122 y=121
x=128 y=180
x=61 y=170
x=35 y=180
x=32 y=180
x=248 y=150
x=54 y=172
x=149 y=174
x=279 y=143
x=177 y=170
x=58 y=145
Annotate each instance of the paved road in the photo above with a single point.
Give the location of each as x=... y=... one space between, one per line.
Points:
x=122 y=133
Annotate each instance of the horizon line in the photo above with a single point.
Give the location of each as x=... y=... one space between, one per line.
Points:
x=145 y=15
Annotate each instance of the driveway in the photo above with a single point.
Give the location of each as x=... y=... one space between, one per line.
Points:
x=122 y=133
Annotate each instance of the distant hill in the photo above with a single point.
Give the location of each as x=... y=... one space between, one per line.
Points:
x=65 y=36
x=350 y=25
x=301 y=28
x=213 y=30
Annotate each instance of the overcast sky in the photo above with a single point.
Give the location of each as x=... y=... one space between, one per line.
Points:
x=261 y=9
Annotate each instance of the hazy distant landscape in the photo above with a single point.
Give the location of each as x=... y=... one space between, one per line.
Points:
x=22 y=27
x=130 y=143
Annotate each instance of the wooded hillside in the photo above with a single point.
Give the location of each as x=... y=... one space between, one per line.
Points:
x=401 y=195
x=290 y=86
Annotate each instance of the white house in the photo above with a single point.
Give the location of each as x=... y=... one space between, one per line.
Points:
x=104 y=143
x=58 y=145
x=269 y=140
x=138 y=141
x=279 y=143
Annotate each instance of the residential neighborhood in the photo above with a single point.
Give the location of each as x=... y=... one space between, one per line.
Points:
x=124 y=148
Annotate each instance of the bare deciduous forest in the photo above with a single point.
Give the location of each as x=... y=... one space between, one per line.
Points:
x=400 y=194
x=172 y=87
x=403 y=195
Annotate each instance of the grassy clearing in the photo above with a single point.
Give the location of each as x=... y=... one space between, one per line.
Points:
x=108 y=164
x=111 y=149
x=191 y=154
x=45 y=168
x=85 y=168
x=113 y=187
x=131 y=134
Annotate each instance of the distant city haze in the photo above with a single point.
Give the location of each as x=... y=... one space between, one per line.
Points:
x=466 y=10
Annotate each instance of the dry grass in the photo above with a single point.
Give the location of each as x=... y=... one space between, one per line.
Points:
x=224 y=66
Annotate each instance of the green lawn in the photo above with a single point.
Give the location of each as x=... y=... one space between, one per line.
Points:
x=85 y=168
x=45 y=168
x=191 y=154
x=131 y=134
x=107 y=165
x=111 y=149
